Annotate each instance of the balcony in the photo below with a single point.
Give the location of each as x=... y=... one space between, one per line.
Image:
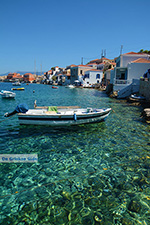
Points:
x=127 y=82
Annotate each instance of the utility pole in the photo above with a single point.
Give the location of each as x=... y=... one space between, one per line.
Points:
x=82 y=61
x=121 y=49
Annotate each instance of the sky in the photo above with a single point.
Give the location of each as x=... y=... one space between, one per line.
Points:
x=40 y=34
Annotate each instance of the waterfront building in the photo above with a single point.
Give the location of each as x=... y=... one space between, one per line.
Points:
x=14 y=77
x=99 y=61
x=107 y=76
x=29 y=77
x=92 y=77
x=51 y=74
x=78 y=72
x=101 y=66
x=129 y=66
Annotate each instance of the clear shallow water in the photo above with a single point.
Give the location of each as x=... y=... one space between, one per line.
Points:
x=91 y=174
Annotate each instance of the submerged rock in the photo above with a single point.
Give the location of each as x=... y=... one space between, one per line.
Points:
x=134 y=206
x=127 y=221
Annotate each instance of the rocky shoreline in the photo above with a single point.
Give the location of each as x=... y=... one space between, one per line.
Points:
x=144 y=104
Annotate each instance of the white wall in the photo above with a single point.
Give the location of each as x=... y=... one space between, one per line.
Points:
x=136 y=70
x=112 y=76
x=125 y=59
x=92 y=77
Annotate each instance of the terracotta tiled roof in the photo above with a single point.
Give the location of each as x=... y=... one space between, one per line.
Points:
x=134 y=53
x=72 y=65
x=82 y=66
x=141 y=60
x=105 y=58
x=91 y=64
x=94 y=60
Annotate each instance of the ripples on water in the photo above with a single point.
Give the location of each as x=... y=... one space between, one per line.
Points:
x=91 y=174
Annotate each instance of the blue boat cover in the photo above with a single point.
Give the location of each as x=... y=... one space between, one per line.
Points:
x=22 y=108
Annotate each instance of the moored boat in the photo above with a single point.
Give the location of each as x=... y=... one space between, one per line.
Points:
x=60 y=116
x=17 y=83
x=18 y=89
x=70 y=86
x=137 y=97
x=7 y=94
x=54 y=87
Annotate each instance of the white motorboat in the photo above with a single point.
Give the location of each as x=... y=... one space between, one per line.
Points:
x=70 y=86
x=137 y=97
x=63 y=117
x=54 y=116
x=17 y=83
x=7 y=94
x=58 y=115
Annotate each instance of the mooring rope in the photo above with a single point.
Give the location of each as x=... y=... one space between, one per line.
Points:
x=6 y=118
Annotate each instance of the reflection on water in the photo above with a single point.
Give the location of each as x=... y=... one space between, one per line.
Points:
x=90 y=174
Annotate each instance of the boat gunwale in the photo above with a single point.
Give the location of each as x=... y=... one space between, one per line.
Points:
x=61 y=117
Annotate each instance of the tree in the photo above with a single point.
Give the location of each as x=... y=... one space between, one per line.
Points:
x=144 y=51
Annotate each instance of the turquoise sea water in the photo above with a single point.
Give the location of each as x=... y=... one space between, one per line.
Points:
x=90 y=174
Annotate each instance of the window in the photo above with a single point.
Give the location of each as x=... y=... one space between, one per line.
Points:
x=98 y=76
x=86 y=75
x=80 y=71
x=122 y=76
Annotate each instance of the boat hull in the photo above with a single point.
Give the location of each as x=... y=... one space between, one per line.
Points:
x=18 y=89
x=7 y=94
x=63 y=120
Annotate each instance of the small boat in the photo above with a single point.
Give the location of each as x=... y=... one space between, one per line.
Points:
x=70 y=86
x=54 y=87
x=7 y=94
x=17 y=83
x=138 y=97
x=18 y=89
x=59 y=115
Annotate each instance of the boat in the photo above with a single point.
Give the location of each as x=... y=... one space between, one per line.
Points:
x=138 y=97
x=59 y=115
x=70 y=86
x=17 y=83
x=7 y=94
x=54 y=87
x=18 y=89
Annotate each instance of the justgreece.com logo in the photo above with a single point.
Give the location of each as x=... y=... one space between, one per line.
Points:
x=18 y=158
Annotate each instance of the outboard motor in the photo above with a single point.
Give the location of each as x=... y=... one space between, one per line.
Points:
x=21 y=108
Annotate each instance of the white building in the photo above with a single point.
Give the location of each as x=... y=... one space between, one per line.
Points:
x=129 y=66
x=92 y=77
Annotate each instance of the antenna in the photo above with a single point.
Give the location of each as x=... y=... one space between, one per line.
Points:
x=102 y=54
x=121 y=49
x=35 y=67
x=82 y=61
x=105 y=53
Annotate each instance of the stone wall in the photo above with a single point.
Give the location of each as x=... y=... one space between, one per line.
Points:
x=145 y=88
